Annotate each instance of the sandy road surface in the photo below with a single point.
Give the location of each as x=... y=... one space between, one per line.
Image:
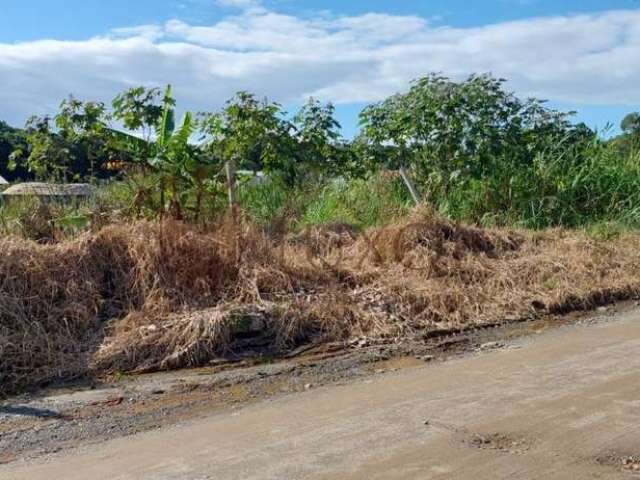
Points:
x=561 y=405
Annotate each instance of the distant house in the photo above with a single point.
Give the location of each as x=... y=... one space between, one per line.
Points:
x=50 y=192
x=3 y=181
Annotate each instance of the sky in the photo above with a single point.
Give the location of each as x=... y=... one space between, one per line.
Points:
x=581 y=55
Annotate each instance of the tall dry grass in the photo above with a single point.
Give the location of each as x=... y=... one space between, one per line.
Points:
x=154 y=296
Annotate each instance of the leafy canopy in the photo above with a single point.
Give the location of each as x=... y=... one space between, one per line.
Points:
x=448 y=130
x=631 y=123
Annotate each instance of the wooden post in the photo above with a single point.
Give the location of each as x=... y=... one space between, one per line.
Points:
x=162 y=199
x=230 y=168
x=413 y=190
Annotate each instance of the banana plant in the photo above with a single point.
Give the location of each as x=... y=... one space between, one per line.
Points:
x=182 y=166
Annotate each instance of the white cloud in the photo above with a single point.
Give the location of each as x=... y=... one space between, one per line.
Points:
x=151 y=32
x=243 y=4
x=590 y=59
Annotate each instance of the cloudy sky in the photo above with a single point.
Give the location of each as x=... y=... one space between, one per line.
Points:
x=579 y=54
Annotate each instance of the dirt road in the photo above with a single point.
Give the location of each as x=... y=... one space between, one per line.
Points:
x=564 y=404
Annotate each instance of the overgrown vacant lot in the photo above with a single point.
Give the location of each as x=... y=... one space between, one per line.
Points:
x=149 y=296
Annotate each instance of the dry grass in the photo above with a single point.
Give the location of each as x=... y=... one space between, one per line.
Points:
x=149 y=296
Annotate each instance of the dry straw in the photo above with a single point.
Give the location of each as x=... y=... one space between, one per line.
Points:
x=152 y=296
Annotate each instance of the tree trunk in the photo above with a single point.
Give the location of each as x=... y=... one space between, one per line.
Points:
x=176 y=207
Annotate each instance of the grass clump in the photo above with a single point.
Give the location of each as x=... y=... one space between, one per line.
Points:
x=570 y=188
x=362 y=203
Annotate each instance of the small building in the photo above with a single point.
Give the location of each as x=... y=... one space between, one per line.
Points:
x=50 y=192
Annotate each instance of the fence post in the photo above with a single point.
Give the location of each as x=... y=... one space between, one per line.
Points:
x=230 y=168
x=413 y=190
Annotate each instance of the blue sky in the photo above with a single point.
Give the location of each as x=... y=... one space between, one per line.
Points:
x=581 y=55
x=79 y=19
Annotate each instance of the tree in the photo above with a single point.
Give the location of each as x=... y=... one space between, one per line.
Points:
x=449 y=132
x=249 y=131
x=85 y=126
x=255 y=135
x=631 y=123
x=140 y=110
x=629 y=141
x=75 y=144
x=319 y=145
x=49 y=155
x=11 y=140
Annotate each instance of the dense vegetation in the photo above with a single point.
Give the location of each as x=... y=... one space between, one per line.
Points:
x=146 y=295
x=473 y=150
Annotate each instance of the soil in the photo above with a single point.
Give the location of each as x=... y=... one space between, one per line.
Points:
x=81 y=414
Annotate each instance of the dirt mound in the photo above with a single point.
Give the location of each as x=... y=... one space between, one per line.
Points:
x=154 y=296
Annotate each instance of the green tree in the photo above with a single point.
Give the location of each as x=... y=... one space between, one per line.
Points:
x=631 y=123
x=85 y=126
x=11 y=140
x=75 y=145
x=319 y=147
x=49 y=155
x=451 y=132
x=140 y=110
x=248 y=131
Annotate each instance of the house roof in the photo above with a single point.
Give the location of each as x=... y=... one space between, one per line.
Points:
x=3 y=181
x=51 y=189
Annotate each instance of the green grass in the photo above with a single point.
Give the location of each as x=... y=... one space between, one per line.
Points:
x=44 y=222
x=361 y=203
x=559 y=188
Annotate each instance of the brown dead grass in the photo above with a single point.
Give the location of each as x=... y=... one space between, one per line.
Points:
x=154 y=296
